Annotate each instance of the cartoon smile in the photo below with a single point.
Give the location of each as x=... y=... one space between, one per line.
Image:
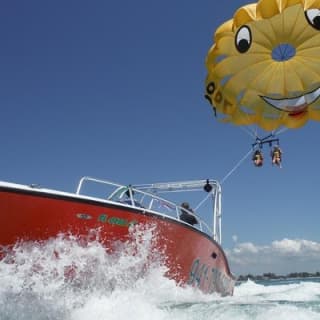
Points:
x=294 y=106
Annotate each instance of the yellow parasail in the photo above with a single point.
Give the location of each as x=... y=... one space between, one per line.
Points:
x=264 y=67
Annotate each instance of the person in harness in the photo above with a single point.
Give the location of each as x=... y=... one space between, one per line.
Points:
x=257 y=158
x=276 y=156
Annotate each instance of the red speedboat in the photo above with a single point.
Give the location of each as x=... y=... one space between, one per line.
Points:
x=191 y=251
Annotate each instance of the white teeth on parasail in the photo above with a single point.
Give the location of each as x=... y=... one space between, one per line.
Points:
x=313 y=96
x=293 y=103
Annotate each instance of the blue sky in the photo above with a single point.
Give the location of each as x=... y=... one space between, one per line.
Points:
x=114 y=89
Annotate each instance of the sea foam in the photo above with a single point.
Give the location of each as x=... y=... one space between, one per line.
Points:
x=67 y=279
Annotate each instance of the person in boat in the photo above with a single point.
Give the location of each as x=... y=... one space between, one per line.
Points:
x=276 y=156
x=187 y=214
x=258 y=158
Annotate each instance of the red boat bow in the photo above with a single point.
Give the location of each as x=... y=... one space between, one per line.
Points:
x=192 y=254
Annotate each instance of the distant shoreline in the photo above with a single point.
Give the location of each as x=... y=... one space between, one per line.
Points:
x=273 y=276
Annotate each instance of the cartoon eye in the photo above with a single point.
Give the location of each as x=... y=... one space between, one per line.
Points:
x=243 y=39
x=211 y=88
x=313 y=17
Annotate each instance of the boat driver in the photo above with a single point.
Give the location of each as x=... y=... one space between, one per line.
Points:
x=186 y=215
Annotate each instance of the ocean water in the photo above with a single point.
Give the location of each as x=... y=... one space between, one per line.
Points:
x=62 y=279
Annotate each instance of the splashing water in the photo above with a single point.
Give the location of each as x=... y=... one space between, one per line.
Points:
x=65 y=279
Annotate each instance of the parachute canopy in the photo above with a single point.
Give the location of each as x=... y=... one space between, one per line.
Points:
x=264 y=67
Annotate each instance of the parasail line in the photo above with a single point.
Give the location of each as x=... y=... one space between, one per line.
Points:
x=282 y=130
x=251 y=133
x=235 y=167
x=202 y=201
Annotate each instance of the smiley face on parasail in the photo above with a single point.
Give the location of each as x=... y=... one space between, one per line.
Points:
x=264 y=67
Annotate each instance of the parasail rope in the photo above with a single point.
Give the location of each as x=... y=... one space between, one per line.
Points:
x=284 y=129
x=235 y=167
x=252 y=133
x=203 y=201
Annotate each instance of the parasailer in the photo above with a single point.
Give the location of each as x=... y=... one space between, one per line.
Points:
x=264 y=66
x=257 y=158
x=276 y=156
x=276 y=152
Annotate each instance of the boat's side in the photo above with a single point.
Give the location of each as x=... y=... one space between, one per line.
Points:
x=191 y=256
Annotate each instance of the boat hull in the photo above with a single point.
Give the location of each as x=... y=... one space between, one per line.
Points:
x=191 y=256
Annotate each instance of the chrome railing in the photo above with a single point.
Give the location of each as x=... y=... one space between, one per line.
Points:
x=147 y=198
